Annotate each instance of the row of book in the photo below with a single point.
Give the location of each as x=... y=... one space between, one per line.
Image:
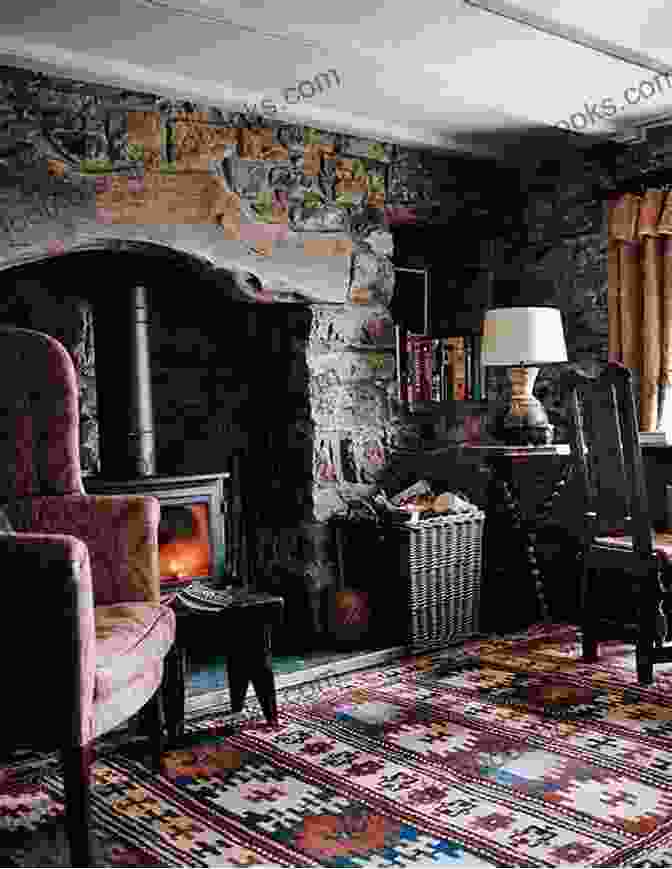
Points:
x=439 y=369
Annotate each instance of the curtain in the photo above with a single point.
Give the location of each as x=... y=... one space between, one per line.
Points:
x=640 y=299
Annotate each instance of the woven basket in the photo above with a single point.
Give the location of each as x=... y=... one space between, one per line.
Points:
x=441 y=561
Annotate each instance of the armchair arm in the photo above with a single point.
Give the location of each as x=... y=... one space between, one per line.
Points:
x=48 y=640
x=121 y=534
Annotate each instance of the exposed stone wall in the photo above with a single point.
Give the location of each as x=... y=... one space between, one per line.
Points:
x=336 y=423
x=563 y=258
x=29 y=305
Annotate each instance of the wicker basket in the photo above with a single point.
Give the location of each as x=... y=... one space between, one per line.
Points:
x=441 y=561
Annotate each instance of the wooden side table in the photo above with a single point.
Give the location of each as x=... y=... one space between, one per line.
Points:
x=505 y=520
x=245 y=626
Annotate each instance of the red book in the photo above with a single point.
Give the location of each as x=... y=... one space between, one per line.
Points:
x=403 y=362
x=424 y=359
x=410 y=368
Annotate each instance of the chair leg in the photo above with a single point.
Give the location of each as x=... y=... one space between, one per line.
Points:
x=644 y=655
x=76 y=777
x=650 y=624
x=588 y=626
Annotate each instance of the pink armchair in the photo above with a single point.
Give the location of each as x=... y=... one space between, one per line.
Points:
x=84 y=636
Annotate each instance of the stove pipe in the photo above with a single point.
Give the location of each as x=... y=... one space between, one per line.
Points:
x=141 y=427
x=124 y=386
x=141 y=414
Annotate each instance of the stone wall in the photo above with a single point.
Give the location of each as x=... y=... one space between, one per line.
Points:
x=336 y=427
x=335 y=421
x=28 y=304
x=563 y=258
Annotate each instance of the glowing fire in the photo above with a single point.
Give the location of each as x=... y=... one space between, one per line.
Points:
x=184 y=542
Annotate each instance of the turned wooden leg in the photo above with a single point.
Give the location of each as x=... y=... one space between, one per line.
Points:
x=76 y=777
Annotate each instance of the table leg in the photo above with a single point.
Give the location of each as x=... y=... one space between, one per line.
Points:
x=263 y=678
x=237 y=668
x=528 y=529
x=254 y=664
x=174 y=695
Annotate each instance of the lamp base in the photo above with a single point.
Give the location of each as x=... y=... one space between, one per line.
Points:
x=526 y=434
x=526 y=422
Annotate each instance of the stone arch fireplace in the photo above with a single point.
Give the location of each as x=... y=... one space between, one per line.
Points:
x=229 y=381
x=211 y=374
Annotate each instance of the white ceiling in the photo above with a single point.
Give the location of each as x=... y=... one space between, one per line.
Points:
x=431 y=72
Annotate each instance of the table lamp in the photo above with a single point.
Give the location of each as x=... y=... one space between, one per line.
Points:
x=523 y=339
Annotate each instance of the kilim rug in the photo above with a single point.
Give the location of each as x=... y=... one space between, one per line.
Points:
x=502 y=752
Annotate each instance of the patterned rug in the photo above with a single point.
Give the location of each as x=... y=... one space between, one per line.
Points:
x=502 y=752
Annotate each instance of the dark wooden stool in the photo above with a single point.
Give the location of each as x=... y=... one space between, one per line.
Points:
x=245 y=626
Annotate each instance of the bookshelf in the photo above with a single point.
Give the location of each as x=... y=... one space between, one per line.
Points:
x=440 y=297
x=438 y=348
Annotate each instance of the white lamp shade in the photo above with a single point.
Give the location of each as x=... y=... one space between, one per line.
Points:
x=523 y=337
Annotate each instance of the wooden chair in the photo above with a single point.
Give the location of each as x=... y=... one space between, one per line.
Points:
x=625 y=562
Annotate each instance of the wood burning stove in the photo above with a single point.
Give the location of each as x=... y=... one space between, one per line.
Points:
x=192 y=532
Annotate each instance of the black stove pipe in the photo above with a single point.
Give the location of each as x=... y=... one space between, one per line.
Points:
x=141 y=416
x=124 y=386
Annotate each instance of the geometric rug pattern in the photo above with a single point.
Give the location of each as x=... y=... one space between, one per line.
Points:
x=505 y=751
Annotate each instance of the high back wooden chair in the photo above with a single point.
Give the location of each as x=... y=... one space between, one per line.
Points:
x=626 y=564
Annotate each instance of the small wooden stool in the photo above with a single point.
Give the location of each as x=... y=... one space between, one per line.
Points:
x=245 y=625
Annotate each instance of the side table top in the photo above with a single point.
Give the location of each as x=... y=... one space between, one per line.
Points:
x=505 y=451
x=241 y=598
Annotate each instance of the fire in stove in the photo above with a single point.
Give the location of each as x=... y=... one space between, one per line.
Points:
x=191 y=530
x=184 y=542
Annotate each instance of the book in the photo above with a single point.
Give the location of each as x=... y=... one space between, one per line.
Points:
x=437 y=365
x=446 y=371
x=477 y=370
x=402 y=362
x=425 y=362
x=420 y=354
x=468 y=371
x=410 y=368
x=458 y=368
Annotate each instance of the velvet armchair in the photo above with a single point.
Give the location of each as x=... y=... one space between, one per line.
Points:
x=84 y=636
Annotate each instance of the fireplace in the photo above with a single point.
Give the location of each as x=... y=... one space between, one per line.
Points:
x=192 y=539
x=192 y=536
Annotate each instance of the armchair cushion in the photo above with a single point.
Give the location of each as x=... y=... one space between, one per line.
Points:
x=129 y=637
x=121 y=534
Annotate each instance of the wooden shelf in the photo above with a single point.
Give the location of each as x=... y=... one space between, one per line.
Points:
x=450 y=408
x=442 y=421
x=371 y=348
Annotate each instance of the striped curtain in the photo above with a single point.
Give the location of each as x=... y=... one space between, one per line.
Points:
x=640 y=299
